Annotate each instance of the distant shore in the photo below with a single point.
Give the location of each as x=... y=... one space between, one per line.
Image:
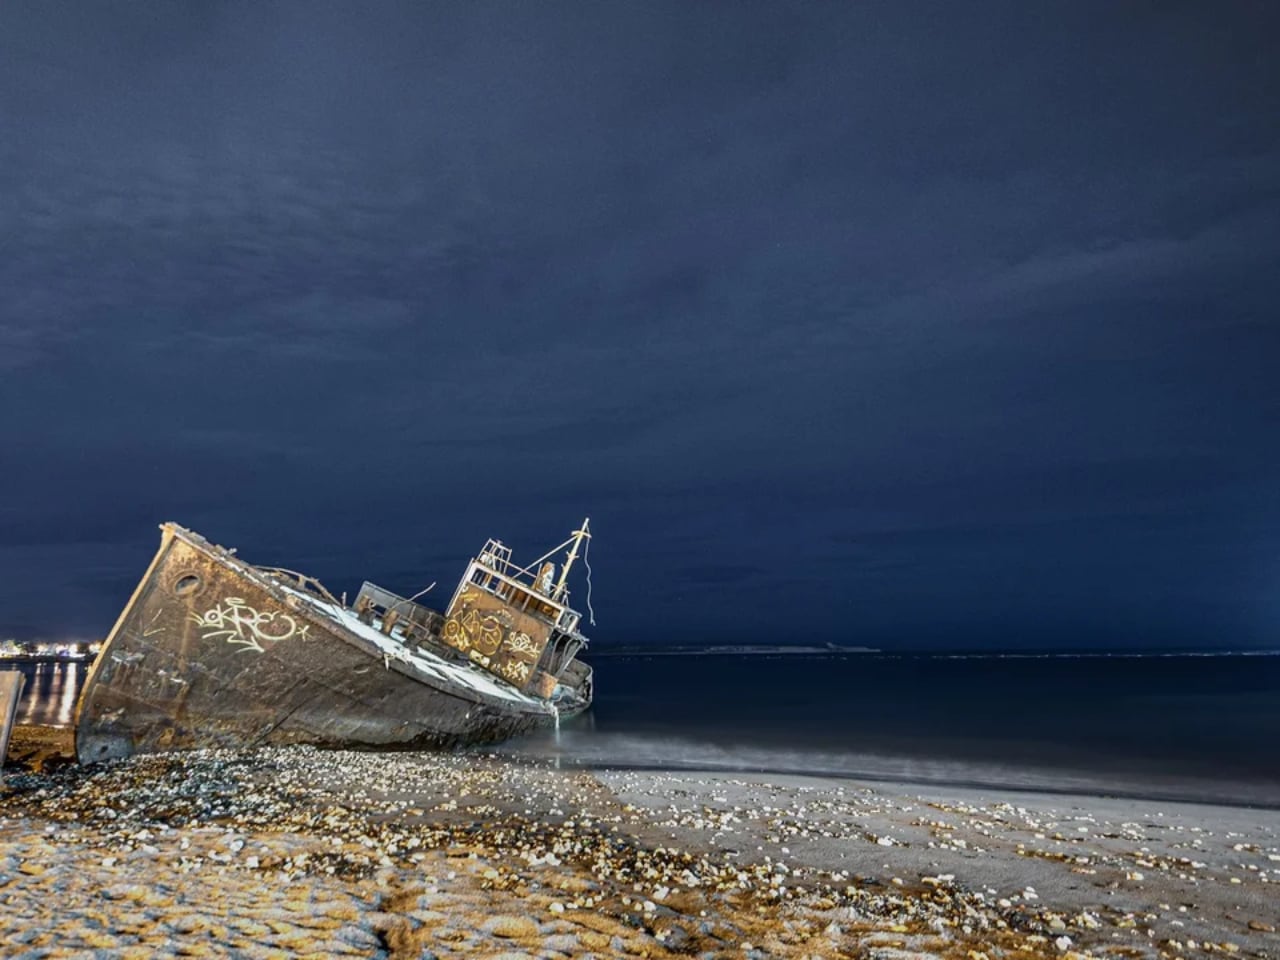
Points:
x=291 y=851
x=733 y=650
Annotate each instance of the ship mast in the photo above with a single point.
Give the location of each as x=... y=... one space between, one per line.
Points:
x=578 y=537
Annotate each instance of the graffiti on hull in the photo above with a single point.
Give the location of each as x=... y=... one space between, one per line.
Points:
x=473 y=630
x=234 y=621
x=491 y=637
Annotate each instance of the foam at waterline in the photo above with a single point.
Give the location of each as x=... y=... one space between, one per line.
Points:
x=590 y=749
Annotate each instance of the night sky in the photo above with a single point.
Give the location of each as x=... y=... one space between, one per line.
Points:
x=895 y=324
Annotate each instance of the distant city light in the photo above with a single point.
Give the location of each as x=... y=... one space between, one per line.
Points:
x=49 y=649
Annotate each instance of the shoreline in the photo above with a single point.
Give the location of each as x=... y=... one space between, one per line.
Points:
x=432 y=851
x=56 y=744
x=926 y=783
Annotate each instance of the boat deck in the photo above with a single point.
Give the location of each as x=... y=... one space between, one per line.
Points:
x=427 y=665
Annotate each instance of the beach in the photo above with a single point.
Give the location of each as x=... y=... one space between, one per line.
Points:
x=305 y=852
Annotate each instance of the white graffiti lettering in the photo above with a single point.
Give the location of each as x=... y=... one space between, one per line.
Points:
x=236 y=622
x=516 y=670
x=522 y=643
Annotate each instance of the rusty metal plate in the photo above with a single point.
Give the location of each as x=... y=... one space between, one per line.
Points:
x=505 y=641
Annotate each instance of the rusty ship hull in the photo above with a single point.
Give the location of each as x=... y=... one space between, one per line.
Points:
x=212 y=651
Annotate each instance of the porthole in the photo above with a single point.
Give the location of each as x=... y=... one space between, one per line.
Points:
x=185 y=586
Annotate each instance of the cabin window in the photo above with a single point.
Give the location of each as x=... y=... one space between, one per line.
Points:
x=186 y=585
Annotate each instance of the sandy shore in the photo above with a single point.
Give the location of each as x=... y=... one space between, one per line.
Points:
x=303 y=852
x=37 y=748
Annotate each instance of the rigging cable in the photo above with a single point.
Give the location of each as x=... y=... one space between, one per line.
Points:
x=591 y=616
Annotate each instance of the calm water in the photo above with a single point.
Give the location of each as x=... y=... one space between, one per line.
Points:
x=1199 y=727
x=49 y=694
x=1193 y=727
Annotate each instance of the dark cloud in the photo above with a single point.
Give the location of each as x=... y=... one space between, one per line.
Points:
x=885 y=324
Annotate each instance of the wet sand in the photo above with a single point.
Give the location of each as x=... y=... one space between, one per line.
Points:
x=38 y=747
x=297 y=852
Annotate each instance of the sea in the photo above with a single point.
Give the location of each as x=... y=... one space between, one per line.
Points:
x=1193 y=727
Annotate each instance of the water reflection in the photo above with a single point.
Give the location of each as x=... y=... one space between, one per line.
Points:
x=49 y=695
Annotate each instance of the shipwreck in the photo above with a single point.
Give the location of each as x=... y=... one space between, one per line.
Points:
x=212 y=651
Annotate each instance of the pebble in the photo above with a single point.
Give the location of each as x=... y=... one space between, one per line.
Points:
x=297 y=850
x=511 y=927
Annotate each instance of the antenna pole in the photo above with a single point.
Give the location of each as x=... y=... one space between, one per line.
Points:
x=578 y=536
